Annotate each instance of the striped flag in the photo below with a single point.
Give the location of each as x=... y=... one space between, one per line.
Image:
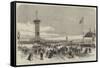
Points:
x=81 y=21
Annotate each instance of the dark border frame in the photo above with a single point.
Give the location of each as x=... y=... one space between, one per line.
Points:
x=13 y=32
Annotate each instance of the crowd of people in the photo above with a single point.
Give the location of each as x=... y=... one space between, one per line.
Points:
x=50 y=51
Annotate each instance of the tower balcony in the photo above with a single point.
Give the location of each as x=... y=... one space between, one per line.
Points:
x=36 y=21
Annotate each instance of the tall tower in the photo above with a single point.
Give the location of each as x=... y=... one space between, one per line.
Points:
x=37 y=27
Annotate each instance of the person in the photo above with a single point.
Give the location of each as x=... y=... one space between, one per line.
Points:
x=18 y=35
x=71 y=55
x=30 y=57
x=50 y=54
x=86 y=51
x=41 y=53
x=18 y=38
x=90 y=50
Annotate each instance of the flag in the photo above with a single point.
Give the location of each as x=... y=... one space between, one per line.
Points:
x=81 y=21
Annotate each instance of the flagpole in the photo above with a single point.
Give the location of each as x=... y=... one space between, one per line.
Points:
x=83 y=31
x=82 y=27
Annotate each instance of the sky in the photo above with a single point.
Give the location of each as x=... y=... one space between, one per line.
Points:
x=55 y=21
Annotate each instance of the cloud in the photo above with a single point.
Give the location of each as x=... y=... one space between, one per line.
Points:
x=28 y=29
x=25 y=27
x=46 y=35
x=46 y=28
x=56 y=38
x=31 y=27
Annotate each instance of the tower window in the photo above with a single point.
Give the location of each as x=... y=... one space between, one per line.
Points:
x=38 y=33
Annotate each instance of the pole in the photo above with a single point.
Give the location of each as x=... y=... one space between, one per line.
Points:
x=83 y=31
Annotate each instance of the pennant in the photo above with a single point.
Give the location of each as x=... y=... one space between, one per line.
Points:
x=81 y=21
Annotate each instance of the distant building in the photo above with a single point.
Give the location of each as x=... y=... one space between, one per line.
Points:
x=89 y=34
